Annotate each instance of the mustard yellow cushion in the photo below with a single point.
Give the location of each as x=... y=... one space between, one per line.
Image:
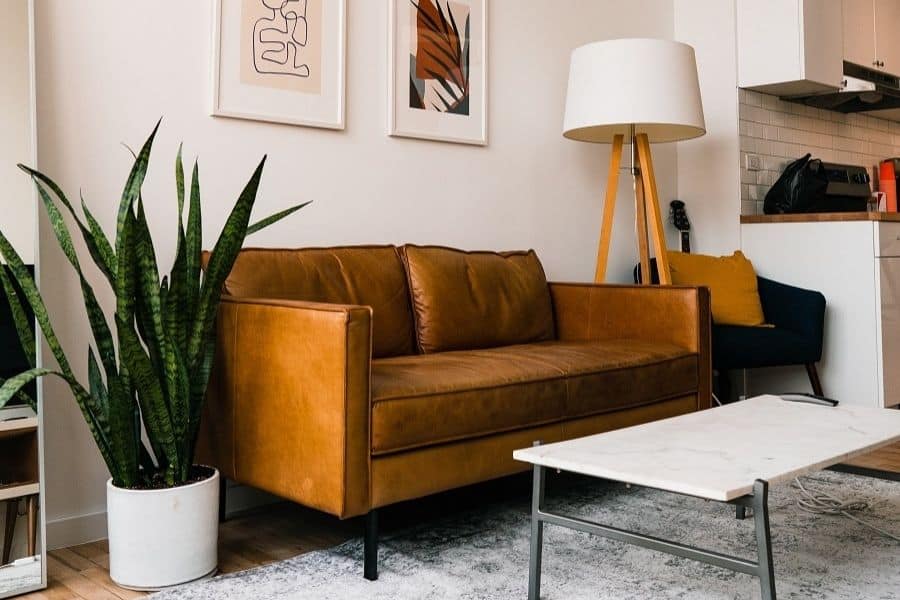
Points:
x=731 y=281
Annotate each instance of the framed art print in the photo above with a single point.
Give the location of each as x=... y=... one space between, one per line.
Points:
x=281 y=61
x=438 y=70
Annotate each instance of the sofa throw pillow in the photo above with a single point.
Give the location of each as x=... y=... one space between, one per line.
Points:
x=365 y=275
x=466 y=300
x=731 y=281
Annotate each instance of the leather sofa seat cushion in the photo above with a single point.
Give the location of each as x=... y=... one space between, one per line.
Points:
x=469 y=300
x=363 y=275
x=435 y=398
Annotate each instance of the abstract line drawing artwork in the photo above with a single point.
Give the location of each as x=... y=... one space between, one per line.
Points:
x=279 y=40
x=281 y=44
x=439 y=56
x=279 y=61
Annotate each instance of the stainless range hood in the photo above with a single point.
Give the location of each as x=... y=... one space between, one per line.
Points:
x=862 y=90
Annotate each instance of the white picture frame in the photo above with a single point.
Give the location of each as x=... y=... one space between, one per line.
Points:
x=242 y=91
x=436 y=123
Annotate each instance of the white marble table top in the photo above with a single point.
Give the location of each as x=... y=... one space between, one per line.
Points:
x=719 y=453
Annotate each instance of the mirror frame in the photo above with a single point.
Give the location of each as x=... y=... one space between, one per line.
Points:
x=32 y=159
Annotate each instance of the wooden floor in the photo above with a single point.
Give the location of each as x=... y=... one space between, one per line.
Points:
x=286 y=530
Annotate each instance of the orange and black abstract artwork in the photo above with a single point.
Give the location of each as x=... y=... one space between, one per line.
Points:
x=439 y=56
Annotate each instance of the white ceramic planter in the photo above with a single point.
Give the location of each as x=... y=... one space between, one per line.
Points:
x=160 y=538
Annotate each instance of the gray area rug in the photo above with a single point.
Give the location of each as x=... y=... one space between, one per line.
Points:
x=484 y=554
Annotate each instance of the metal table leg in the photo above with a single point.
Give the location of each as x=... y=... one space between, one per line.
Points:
x=758 y=502
x=537 y=535
x=766 y=571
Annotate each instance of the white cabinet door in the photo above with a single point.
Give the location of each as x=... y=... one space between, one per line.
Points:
x=859 y=32
x=887 y=35
x=889 y=333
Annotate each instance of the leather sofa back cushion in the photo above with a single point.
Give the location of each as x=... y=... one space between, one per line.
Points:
x=467 y=300
x=365 y=275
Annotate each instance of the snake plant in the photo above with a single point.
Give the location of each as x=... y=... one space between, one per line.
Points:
x=147 y=374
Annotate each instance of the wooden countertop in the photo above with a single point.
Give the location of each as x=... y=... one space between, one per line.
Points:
x=821 y=217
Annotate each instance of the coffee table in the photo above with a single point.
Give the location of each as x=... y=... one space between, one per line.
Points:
x=729 y=454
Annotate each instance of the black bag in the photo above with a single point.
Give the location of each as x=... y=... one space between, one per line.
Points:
x=800 y=189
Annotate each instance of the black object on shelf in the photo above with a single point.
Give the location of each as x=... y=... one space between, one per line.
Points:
x=12 y=356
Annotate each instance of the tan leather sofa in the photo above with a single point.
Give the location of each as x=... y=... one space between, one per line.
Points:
x=347 y=379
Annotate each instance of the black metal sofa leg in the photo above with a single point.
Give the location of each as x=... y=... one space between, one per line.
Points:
x=813 y=374
x=370 y=547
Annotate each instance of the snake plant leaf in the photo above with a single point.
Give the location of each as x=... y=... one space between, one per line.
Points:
x=133 y=185
x=270 y=220
x=96 y=318
x=14 y=384
x=95 y=380
x=125 y=280
x=147 y=277
x=101 y=250
x=180 y=399
x=154 y=409
x=94 y=418
x=125 y=431
x=33 y=297
x=20 y=318
x=93 y=235
x=222 y=259
x=179 y=182
x=169 y=369
x=199 y=383
x=175 y=320
x=193 y=247
x=176 y=310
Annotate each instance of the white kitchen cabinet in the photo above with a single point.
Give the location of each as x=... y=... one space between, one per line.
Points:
x=859 y=32
x=887 y=35
x=790 y=47
x=856 y=265
x=870 y=34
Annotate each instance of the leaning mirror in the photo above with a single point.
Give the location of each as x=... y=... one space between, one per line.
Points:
x=21 y=474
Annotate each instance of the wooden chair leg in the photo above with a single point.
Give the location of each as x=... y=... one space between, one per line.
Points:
x=813 y=374
x=12 y=512
x=31 y=504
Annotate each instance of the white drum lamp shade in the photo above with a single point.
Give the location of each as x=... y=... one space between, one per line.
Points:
x=651 y=84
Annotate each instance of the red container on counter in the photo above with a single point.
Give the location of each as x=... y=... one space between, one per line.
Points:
x=888 y=173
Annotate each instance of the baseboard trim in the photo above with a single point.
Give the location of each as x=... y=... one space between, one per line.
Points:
x=82 y=529
x=72 y=531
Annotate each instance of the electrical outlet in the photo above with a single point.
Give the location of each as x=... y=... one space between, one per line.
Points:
x=754 y=162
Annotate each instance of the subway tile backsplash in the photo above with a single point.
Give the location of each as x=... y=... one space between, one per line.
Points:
x=779 y=132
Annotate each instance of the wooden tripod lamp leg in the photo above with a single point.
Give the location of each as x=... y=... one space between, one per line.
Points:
x=651 y=202
x=640 y=224
x=609 y=208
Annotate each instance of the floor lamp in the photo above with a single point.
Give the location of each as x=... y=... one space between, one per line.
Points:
x=644 y=89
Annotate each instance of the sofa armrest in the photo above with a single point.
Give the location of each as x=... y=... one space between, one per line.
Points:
x=671 y=314
x=288 y=405
x=792 y=308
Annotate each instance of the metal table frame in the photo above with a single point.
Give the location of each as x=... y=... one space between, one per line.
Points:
x=758 y=501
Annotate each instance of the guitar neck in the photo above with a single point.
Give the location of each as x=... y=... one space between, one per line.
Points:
x=686 y=241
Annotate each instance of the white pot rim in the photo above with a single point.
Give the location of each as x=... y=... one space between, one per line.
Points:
x=122 y=490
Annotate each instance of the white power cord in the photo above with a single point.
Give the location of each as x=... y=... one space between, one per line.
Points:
x=820 y=503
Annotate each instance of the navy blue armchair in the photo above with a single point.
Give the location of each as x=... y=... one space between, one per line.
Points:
x=798 y=317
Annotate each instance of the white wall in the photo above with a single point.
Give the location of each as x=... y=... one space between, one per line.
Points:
x=109 y=69
x=708 y=170
x=16 y=198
